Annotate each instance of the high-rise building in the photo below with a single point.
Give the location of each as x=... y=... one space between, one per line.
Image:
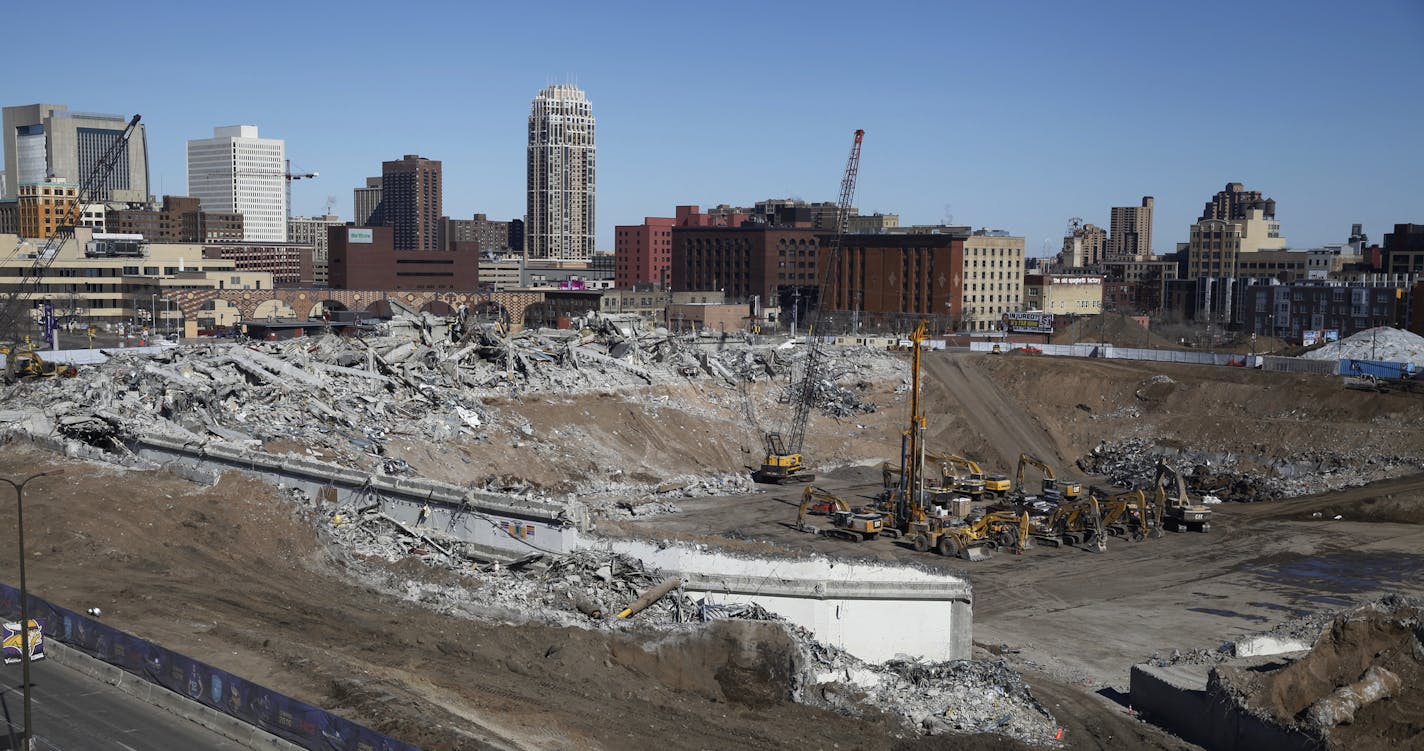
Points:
x=1130 y=232
x=312 y=230
x=559 y=223
x=367 y=202
x=411 y=202
x=237 y=171
x=181 y=219
x=47 y=140
x=1083 y=245
x=1235 y=202
x=493 y=236
x=44 y=205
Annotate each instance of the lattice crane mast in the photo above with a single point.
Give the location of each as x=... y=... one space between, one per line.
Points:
x=783 y=461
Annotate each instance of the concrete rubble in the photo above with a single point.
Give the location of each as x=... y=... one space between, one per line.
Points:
x=1382 y=343
x=1233 y=477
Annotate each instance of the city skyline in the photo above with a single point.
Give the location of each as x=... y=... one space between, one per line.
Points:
x=971 y=114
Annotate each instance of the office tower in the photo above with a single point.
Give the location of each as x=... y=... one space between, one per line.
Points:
x=410 y=200
x=237 y=171
x=43 y=141
x=367 y=202
x=1235 y=202
x=560 y=220
x=1130 y=232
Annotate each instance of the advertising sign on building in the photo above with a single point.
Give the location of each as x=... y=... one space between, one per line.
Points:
x=358 y=235
x=1029 y=323
x=1307 y=337
x=13 y=649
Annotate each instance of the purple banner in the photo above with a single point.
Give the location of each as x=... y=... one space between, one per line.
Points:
x=15 y=646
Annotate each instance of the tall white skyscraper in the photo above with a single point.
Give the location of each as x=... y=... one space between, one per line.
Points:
x=559 y=223
x=237 y=171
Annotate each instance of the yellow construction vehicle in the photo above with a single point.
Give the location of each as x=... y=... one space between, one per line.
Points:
x=1054 y=490
x=1129 y=515
x=846 y=523
x=1077 y=523
x=997 y=485
x=972 y=539
x=1177 y=510
x=29 y=363
x=961 y=474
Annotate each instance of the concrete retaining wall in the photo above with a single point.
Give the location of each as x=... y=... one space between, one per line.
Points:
x=1179 y=698
x=872 y=611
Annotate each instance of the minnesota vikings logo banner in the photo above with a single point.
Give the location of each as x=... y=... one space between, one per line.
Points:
x=13 y=646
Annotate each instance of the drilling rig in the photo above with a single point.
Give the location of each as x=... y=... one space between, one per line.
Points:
x=784 y=461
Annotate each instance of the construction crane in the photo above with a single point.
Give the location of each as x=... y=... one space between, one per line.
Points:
x=783 y=462
x=17 y=297
x=290 y=176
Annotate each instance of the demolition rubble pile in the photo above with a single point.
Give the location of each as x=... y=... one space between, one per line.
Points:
x=589 y=589
x=346 y=398
x=1232 y=477
x=1383 y=343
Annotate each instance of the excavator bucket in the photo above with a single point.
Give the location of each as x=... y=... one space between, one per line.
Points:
x=976 y=553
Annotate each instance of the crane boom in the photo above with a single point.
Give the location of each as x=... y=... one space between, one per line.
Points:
x=783 y=449
x=16 y=297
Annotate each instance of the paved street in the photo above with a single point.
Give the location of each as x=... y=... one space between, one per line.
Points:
x=76 y=713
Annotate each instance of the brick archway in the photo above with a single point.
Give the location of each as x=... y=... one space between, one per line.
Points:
x=303 y=299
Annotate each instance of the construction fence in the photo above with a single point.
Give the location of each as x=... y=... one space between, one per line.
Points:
x=295 y=721
x=1108 y=351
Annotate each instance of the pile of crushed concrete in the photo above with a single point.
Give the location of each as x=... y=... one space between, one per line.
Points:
x=346 y=398
x=1232 y=477
x=1382 y=343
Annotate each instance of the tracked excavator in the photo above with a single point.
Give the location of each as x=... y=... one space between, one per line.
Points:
x=846 y=523
x=1177 y=510
x=961 y=474
x=1129 y=515
x=1053 y=489
x=1078 y=523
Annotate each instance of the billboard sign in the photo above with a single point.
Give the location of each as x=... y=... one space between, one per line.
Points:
x=1029 y=323
x=1307 y=337
x=14 y=650
x=1332 y=335
x=358 y=235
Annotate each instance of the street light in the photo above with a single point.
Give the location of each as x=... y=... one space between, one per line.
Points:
x=25 y=597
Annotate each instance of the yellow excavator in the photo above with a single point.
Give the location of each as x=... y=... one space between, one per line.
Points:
x=959 y=473
x=1178 y=512
x=972 y=539
x=1076 y=523
x=1053 y=489
x=846 y=523
x=29 y=363
x=1129 y=515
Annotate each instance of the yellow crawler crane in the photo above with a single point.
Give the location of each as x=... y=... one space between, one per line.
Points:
x=846 y=523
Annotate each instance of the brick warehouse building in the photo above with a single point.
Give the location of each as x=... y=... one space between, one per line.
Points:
x=744 y=262
x=366 y=258
x=888 y=277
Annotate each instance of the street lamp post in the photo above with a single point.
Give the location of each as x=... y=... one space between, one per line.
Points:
x=25 y=597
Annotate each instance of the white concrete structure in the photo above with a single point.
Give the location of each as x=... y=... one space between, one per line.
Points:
x=559 y=223
x=235 y=170
x=872 y=611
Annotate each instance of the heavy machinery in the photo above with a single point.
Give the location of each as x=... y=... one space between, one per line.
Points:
x=997 y=485
x=16 y=299
x=909 y=500
x=1077 y=523
x=846 y=523
x=961 y=474
x=784 y=462
x=1129 y=515
x=972 y=539
x=1177 y=510
x=28 y=362
x=1053 y=489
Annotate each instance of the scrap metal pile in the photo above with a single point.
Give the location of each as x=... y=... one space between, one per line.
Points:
x=346 y=398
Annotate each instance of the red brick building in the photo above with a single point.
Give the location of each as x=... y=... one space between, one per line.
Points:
x=889 y=275
x=366 y=258
x=747 y=261
x=643 y=252
x=290 y=264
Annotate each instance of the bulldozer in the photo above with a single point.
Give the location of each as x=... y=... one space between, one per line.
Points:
x=1053 y=489
x=1178 y=512
x=1129 y=515
x=855 y=525
x=1078 y=523
x=973 y=539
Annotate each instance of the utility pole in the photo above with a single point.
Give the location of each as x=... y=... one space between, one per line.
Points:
x=25 y=598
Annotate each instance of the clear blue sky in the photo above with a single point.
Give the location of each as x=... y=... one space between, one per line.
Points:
x=1013 y=115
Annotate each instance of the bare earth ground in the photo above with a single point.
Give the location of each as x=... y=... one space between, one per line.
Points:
x=237 y=576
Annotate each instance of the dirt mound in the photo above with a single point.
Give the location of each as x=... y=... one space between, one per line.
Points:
x=1116 y=329
x=1380 y=343
x=1365 y=643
